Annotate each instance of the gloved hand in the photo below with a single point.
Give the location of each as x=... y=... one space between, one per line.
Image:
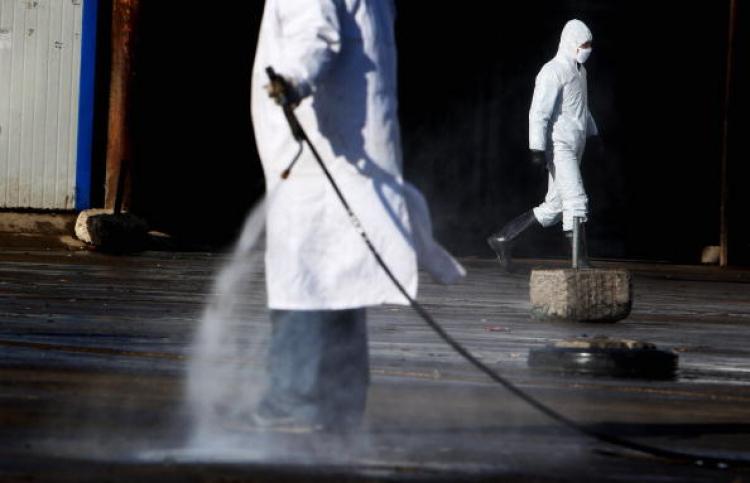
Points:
x=283 y=92
x=538 y=158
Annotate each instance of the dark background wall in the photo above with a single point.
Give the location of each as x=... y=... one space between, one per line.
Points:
x=197 y=172
x=466 y=77
x=739 y=167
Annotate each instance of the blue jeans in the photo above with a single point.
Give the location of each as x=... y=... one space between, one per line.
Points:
x=318 y=367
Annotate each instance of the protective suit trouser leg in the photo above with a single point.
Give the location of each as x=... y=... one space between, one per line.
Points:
x=566 y=196
x=569 y=185
x=318 y=367
x=502 y=241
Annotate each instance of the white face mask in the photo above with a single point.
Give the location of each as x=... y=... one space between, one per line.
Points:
x=583 y=55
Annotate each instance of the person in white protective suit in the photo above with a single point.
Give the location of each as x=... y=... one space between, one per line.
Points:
x=559 y=123
x=337 y=59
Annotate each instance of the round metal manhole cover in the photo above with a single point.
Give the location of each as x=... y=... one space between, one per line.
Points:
x=604 y=356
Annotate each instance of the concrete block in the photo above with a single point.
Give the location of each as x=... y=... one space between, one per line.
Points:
x=586 y=295
x=110 y=232
x=711 y=255
x=82 y=224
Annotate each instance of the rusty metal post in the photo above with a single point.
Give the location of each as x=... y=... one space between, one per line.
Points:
x=124 y=23
x=724 y=235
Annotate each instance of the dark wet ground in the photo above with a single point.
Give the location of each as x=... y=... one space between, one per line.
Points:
x=95 y=348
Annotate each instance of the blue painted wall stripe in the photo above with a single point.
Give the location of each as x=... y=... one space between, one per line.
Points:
x=86 y=105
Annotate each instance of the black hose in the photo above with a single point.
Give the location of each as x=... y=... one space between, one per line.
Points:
x=696 y=459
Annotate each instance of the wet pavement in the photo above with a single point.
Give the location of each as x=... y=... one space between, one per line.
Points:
x=95 y=350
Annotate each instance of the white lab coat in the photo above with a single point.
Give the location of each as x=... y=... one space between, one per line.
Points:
x=559 y=123
x=341 y=55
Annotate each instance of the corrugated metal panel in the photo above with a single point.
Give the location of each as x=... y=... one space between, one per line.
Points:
x=40 y=63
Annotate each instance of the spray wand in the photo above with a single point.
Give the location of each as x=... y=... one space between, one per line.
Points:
x=283 y=98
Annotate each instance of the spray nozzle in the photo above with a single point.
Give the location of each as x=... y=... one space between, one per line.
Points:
x=285 y=174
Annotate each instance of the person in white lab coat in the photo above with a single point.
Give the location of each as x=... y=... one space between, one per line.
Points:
x=559 y=123
x=338 y=62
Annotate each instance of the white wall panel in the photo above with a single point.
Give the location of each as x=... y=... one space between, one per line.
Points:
x=40 y=63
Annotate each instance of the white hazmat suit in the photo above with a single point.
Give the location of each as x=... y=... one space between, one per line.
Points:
x=341 y=56
x=559 y=123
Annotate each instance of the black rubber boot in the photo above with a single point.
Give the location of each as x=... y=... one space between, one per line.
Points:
x=502 y=241
x=582 y=260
